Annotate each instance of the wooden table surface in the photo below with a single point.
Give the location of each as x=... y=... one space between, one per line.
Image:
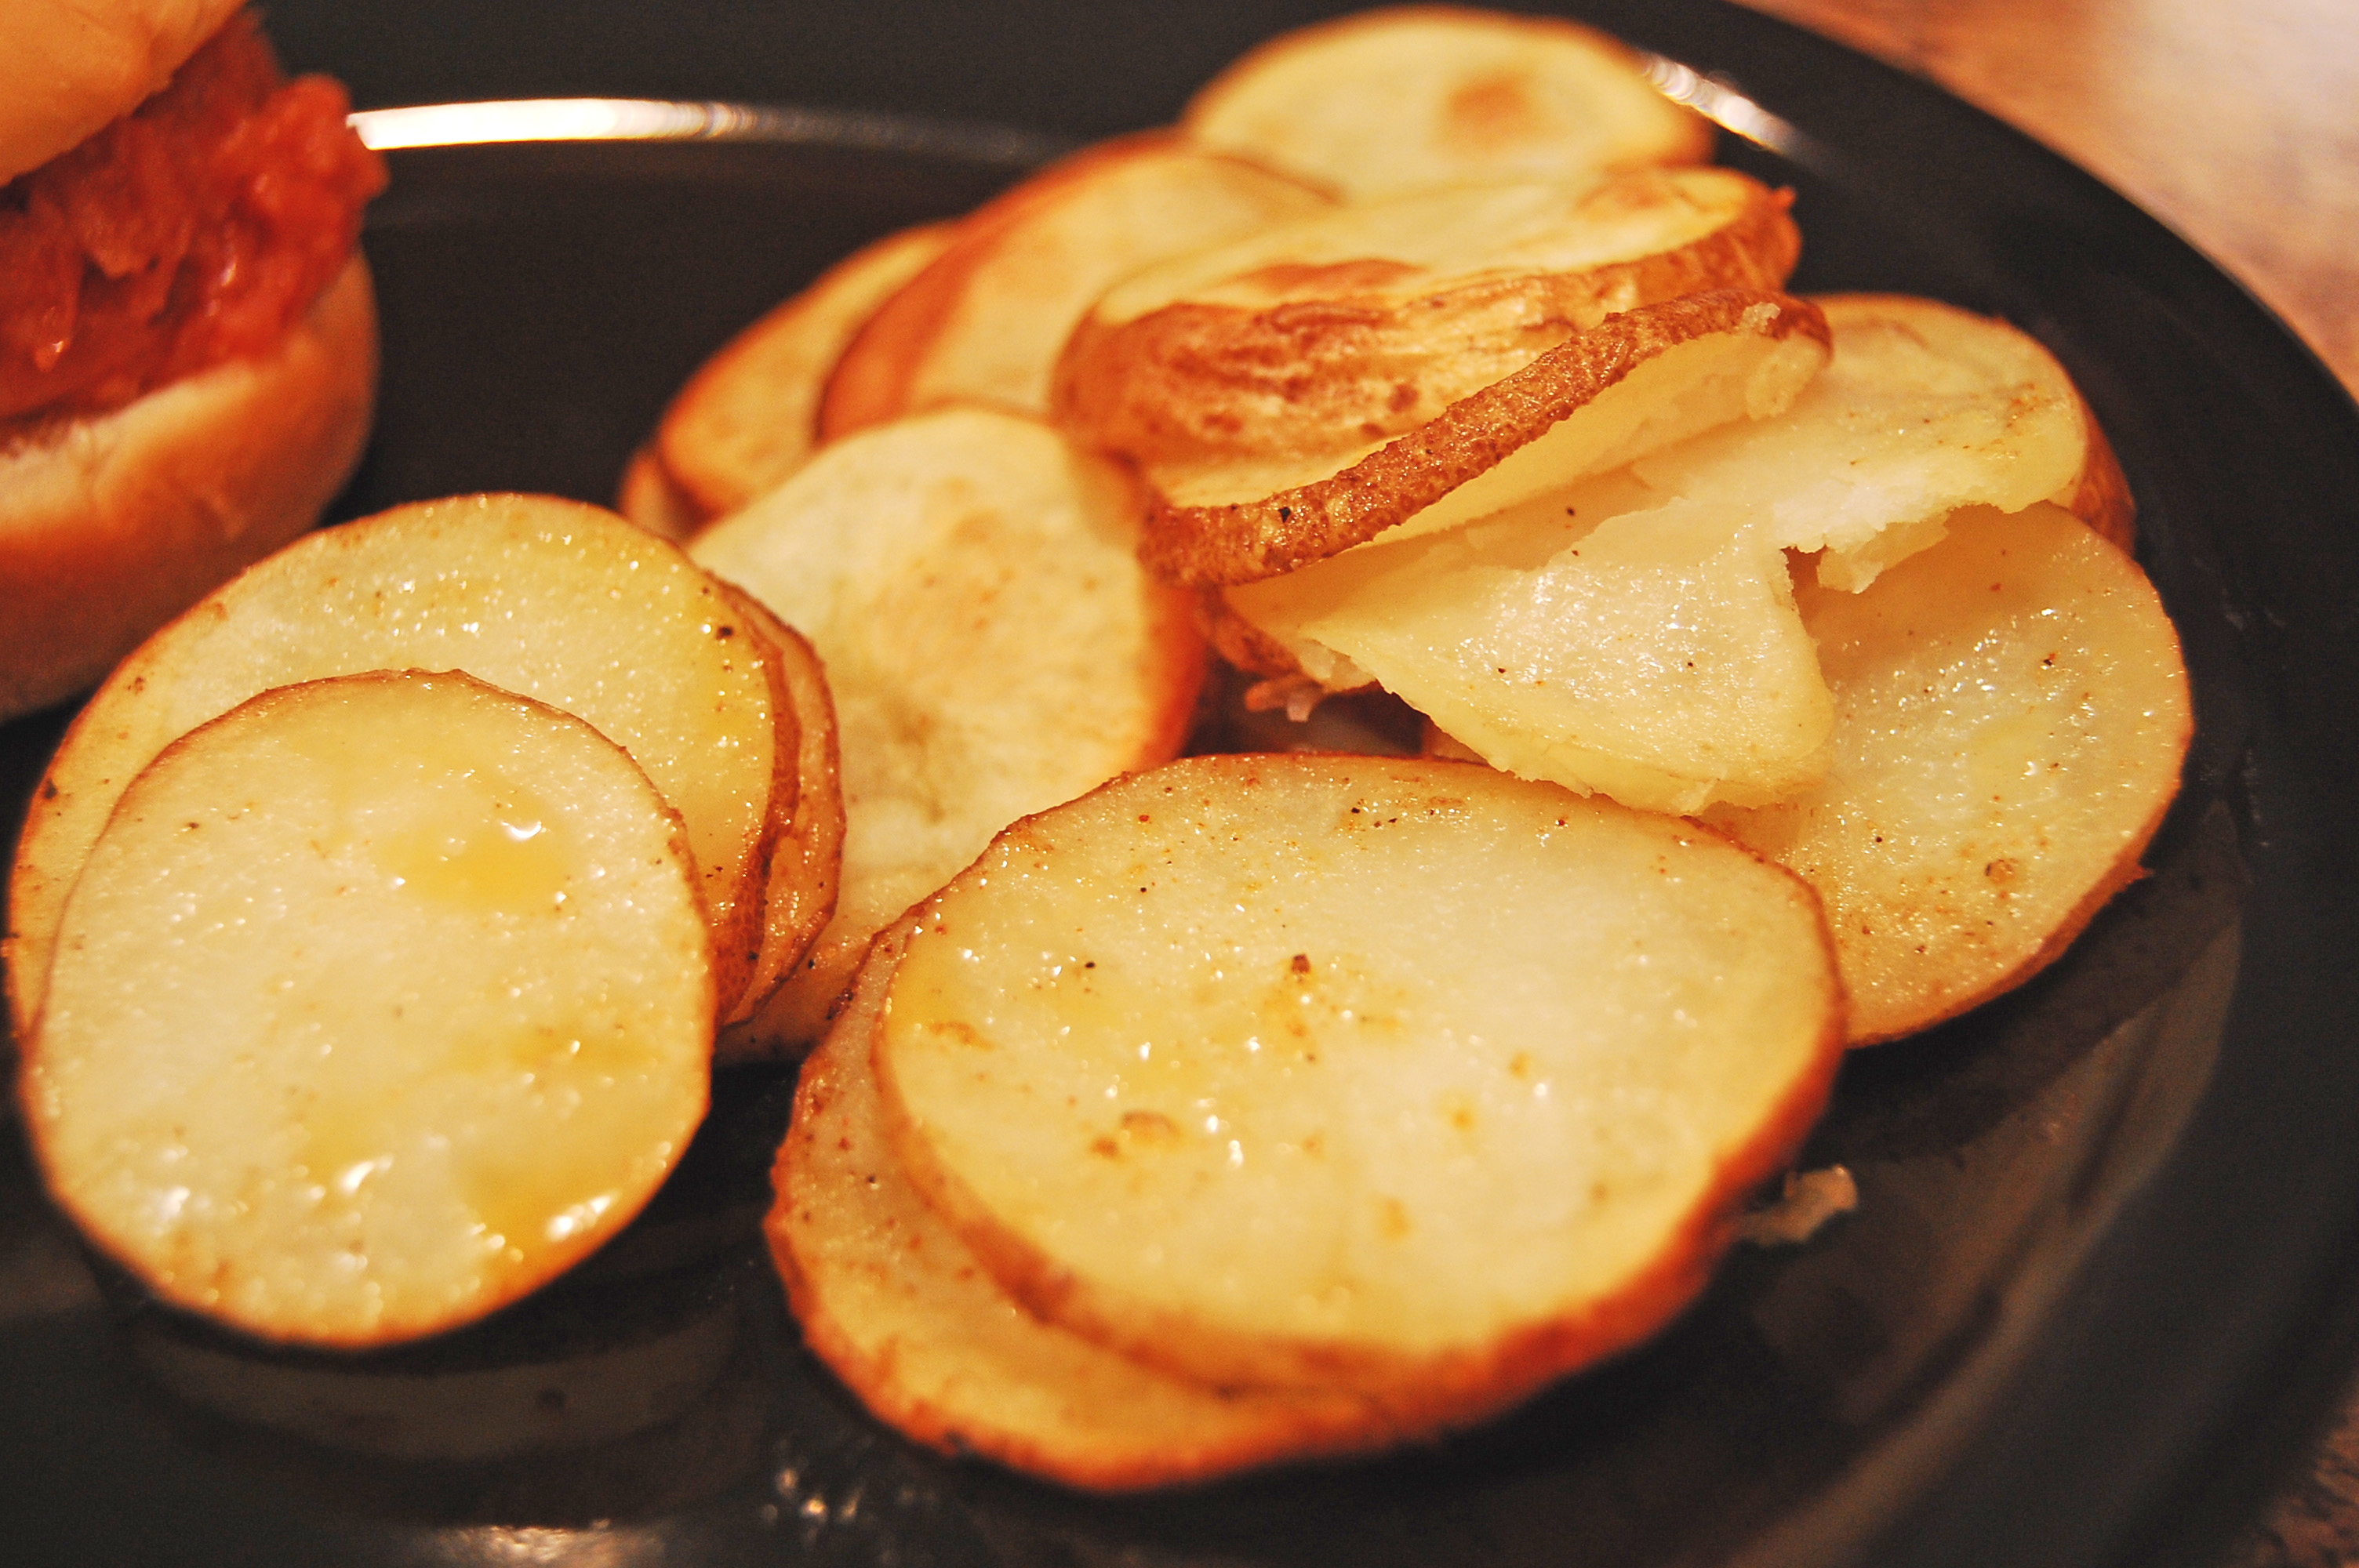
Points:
x=2235 y=122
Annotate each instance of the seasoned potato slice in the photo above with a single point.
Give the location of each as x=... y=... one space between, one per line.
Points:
x=807 y=863
x=993 y=648
x=1415 y=96
x=891 y=1299
x=562 y=603
x=1179 y=1069
x=379 y=1001
x=648 y=496
x=2011 y=717
x=1321 y=335
x=985 y=320
x=749 y=416
x=1632 y=384
x=1635 y=632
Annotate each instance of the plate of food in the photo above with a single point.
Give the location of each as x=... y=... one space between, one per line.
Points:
x=1447 y=1099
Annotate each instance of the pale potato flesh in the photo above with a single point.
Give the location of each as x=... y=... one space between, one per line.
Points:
x=1410 y=97
x=896 y=1305
x=557 y=600
x=379 y=1001
x=1179 y=1069
x=1662 y=664
x=2011 y=716
x=972 y=585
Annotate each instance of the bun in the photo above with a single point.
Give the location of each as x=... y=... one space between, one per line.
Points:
x=112 y=524
x=69 y=70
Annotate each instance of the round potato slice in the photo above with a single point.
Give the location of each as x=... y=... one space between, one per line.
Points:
x=563 y=602
x=984 y=321
x=749 y=416
x=1632 y=384
x=380 y=1002
x=993 y=648
x=2011 y=715
x=1416 y=96
x=893 y=1302
x=1184 y=1074
x=1321 y=335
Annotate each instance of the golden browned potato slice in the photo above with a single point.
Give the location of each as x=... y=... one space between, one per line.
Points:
x=1321 y=335
x=984 y=321
x=807 y=863
x=1415 y=96
x=1178 y=1069
x=380 y=1002
x=1632 y=384
x=2011 y=717
x=893 y=1302
x=649 y=497
x=971 y=583
x=562 y=603
x=749 y=416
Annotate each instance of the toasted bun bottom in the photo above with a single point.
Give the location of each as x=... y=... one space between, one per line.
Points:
x=112 y=525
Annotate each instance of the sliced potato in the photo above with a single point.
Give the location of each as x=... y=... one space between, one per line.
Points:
x=1924 y=408
x=985 y=320
x=561 y=601
x=1321 y=335
x=379 y=1001
x=1657 y=657
x=1414 y=96
x=1179 y=1069
x=893 y=1302
x=1636 y=381
x=651 y=497
x=971 y=583
x=2011 y=717
x=749 y=416
x=807 y=863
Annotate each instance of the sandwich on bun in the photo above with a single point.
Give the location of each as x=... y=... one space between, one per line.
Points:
x=187 y=338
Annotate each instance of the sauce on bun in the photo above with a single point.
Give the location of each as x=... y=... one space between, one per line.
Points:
x=187 y=338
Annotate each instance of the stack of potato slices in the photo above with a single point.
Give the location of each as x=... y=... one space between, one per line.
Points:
x=341 y=1018
x=1249 y=1110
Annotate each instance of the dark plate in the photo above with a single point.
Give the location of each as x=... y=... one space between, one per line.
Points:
x=2102 y=1282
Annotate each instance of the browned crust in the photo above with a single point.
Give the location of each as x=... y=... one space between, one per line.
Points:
x=806 y=871
x=713 y=474
x=2101 y=498
x=1247 y=541
x=1431 y=1394
x=1273 y=54
x=1324 y=1426
x=1320 y=373
x=872 y=382
x=649 y=496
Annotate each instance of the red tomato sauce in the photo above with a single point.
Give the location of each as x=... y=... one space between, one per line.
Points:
x=196 y=230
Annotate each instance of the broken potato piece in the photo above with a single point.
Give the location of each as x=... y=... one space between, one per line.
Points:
x=560 y=602
x=1414 y=96
x=993 y=646
x=894 y=1303
x=2011 y=716
x=379 y=1001
x=1173 y=1065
